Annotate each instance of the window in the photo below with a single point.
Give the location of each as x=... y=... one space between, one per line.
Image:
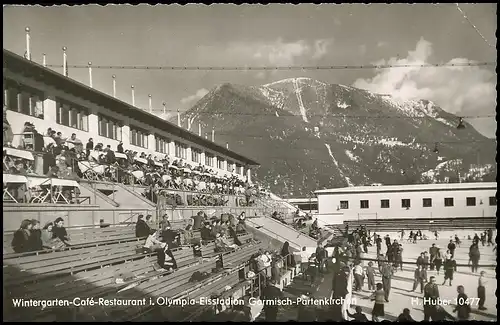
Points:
x=138 y=137
x=405 y=203
x=209 y=160
x=72 y=115
x=448 y=202
x=493 y=200
x=384 y=204
x=364 y=204
x=180 y=150
x=239 y=170
x=220 y=163
x=229 y=166
x=471 y=201
x=427 y=203
x=195 y=155
x=161 y=144
x=109 y=127
x=344 y=205
x=23 y=99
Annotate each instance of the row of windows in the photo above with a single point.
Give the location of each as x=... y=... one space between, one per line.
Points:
x=426 y=203
x=27 y=100
x=138 y=137
x=162 y=145
x=110 y=128
x=23 y=99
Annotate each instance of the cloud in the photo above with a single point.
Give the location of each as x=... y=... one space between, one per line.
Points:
x=279 y=52
x=193 y=98
x=381 y=44
x=466 y=91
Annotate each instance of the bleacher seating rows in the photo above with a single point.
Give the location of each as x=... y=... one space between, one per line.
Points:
x=174 y=287
x=89 y=236
x=92 y=283
x=423 y=224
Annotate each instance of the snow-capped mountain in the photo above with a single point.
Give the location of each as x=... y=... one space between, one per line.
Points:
x=310 y=135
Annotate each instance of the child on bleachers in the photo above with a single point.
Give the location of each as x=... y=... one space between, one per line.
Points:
x=21 y=242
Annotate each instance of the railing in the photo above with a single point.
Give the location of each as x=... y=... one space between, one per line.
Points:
x=72 y=218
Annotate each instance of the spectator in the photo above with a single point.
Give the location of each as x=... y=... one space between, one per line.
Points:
x=222 y=244
x=206 y=233
x=286 y=253
x=438 y=259
x=89 y=147
x=103 y=224
x=370 y=275
x=53 y=172
x=481 y=290
x=166 y=259
x=170 y=236
x=271 y=293
x=58 y=139
x=358 y=315
x=188 y=235
x=463 y=306
x=418 y=278
x=474 y=256
x=59 y=232
x=321 y=256
x=35 y=236
x=21 y=241
x=431 y=295
x=358 y=276
x=378 y=308
x=110 y=155
x=47 y=236
x=152 y=242
x=119 y=148
x=405 y=316
x=450 y=266
x=234 y=236
x=452 y=247
x=141 y=228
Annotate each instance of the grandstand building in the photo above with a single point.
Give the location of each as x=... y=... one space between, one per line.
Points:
x=474 y=200
x=47 y=99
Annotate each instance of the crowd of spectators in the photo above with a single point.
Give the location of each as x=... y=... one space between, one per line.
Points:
x=67 y=158
x=30 y=238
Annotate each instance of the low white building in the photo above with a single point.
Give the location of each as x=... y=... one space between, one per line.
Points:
x=473 y=200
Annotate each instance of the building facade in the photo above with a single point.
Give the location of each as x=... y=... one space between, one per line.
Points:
x=47 y=99
x=473 y=200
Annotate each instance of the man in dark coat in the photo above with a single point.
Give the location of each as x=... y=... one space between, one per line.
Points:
x=141 y=227
x=271 y=293
x=431 y=295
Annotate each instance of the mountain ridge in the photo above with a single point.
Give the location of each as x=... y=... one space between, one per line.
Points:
x=309 y=135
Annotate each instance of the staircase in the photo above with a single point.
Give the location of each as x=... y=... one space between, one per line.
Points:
x=117 y=195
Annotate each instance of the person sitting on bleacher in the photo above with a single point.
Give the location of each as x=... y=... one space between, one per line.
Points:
x=21 y=241
x=197 y=220
x=206 y=232
x=170 y=236
x=141 y=227
x=59 y=232
x=35 y=236
x=166 y=259
x=232 y=234
x=103 y=224
x=216 y=228
x=47 y=235
x=152 y=242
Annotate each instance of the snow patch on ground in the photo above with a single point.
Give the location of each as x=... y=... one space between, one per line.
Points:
x=299 y=100
x=342 y=105
x=348 y=180
x=352 y=156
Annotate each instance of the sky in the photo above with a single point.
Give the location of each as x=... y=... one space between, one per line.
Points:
x=272 y=35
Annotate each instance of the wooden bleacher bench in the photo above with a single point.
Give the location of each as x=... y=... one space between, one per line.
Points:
x=178 y=282
x=208 y=249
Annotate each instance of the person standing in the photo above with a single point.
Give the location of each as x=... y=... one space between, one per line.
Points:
x=418 y=278
x=490 y=237
x=481 y=290
x=370 y=275
x=438 y=260
x=474 y=256
x=386 y=271
x=432 y=252
x=358 y=276
x=378 y=242
x=431 y=295
x=378 y=307
x=451 y=248
x=450 y=266
x=463 y=306
x=271 y=294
